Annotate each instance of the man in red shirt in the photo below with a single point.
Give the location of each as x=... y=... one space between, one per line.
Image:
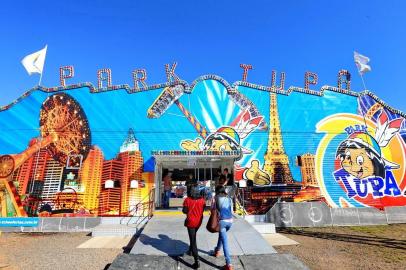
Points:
x=193 y=207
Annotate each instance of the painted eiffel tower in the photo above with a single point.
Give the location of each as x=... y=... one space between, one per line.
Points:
x=276 y=161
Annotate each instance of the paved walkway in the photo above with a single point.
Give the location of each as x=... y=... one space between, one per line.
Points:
x=166 y=235
x=164 y=240
x=277 y=239
x=244 y=262
x=106 y=242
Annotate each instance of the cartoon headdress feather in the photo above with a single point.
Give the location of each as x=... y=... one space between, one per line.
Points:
x=244 y=124
x=386 y=129
x=384 y=132
x=240 y=128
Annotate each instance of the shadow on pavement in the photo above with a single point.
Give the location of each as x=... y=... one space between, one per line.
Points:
x=175 y=249
x=167 y=245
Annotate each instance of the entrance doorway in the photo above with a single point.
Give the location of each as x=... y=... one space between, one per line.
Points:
x=179 y=176
x=202 y=167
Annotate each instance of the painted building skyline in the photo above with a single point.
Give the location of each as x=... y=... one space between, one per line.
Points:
x=32 y=169
x=307 y=170
x=110 y=198
x=132 y=171
x=52 y=181
x=91 y=178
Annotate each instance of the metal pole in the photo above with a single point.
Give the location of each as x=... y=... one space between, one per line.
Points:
x=363 y=82
x=211 y=175
x=243 y=203
x=363 y=115
x=42 y=71
x=204 y=172
x=40 y=79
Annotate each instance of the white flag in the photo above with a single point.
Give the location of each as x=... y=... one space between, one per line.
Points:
x=362 y=63
x=34 y=63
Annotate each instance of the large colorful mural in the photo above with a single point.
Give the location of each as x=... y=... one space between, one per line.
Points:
x=77 y=150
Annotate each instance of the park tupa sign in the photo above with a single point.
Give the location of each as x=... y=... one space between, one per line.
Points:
x=139 y=76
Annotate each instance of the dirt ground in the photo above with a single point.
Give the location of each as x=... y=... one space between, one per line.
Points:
x=368 y=247
x=372 y=247
x=51 y=251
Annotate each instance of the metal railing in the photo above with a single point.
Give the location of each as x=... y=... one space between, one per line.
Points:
x=142 y=210
x=240 y=202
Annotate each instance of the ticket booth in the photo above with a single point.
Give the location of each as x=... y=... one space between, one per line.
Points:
x=202 y=164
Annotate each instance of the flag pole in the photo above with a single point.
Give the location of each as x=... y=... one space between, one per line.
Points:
x=363 y=114
x=43 y=65
x=362 y=79
x=361 y=62
x=40 y=78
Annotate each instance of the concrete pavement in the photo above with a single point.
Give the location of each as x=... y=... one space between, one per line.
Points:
x=164 y=240
x=243 y=262
x=166 y=235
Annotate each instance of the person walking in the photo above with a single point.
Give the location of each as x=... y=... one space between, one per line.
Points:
x=217 y=178
x=167 y=189
x=223 y=203
x=222 y=181
x=230 y=187
x=190 y=182
x=193 y=207
x=229 y=177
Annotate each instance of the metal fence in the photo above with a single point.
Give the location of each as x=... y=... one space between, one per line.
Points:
x=284 y=214
x=318 y=214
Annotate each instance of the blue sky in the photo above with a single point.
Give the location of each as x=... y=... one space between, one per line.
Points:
x=206 y=37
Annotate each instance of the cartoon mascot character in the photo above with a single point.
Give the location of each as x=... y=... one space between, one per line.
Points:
x=228 y=138
x=360 y=154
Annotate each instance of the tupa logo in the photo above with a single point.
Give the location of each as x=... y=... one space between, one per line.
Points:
x=361 y=162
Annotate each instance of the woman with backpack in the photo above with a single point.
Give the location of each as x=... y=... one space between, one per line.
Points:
x=224 y=206
x=193 y=207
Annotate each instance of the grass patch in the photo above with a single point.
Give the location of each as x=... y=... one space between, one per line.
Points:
x=374 y=230
x=390 y=256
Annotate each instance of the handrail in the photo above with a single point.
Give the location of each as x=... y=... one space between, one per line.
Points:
x=145 y=205
x=143 y=199
x=239 y=200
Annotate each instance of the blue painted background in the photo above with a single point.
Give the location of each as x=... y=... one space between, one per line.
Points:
x=111 y=114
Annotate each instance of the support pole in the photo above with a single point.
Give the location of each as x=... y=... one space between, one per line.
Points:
x=363 y=114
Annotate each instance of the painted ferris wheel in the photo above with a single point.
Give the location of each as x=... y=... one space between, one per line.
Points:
x=63 y=119
x=64 y=133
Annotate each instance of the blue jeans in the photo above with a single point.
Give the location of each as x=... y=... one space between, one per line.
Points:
x=224 y=227
x=167 y=195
